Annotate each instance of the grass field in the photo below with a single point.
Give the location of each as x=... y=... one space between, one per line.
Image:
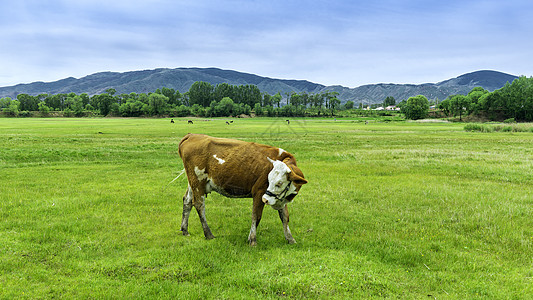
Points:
x=394 y=209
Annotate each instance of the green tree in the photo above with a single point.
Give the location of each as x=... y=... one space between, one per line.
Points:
x=4 y=102
x=85 y=99
x=389 y=101
x=295 y=99
x=269 y=111
x=13 y=108
x=172 y=95
x=349 y=105
x=182 y=111
x=258 y=109
x=416 y=107
x=267 y=99
x=132 y=108
x=459 y=105
x=197 y=110
x=225 y=107
x=334 y=103
x=55 y=102
x=75 y=104
x=329 y=96
x=157 y=104
x=201 y=93
x=445 y=106
x=28 y=102
x=103 y=103
x=305 y=99
x=223 y=90
x=246 y=109
x=111 y=91
x=249 y=94
x=518 y=99
x=45 y=110
x=276 y=99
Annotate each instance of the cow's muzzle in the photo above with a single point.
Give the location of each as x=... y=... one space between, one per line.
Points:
x=280 y=196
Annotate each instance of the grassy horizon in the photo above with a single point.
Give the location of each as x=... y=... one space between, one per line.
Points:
x=392 y=209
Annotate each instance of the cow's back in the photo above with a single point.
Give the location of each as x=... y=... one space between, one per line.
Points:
x=201 y=145
x=229 y=164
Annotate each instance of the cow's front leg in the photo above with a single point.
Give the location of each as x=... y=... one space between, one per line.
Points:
x=257 y=212
x=200 y=208
x=187 y=206
x=284 y=216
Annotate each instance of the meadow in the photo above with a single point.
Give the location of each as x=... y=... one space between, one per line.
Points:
x=392 y=210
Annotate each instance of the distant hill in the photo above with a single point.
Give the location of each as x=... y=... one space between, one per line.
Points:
x=376 y=93
x=181 y=79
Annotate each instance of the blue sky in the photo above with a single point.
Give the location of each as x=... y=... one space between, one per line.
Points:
x=349 y=43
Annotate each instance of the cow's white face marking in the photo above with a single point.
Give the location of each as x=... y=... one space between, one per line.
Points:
x=281 y=151
x=200 y=174
x=220 y=160
x=277 y=184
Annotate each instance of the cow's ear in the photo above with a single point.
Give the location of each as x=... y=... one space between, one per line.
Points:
x=297 y=179
x=288 y=160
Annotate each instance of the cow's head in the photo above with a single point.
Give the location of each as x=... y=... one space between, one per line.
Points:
x=284 y=182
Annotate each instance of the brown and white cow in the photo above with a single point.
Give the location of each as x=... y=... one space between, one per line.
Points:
x=238 y=169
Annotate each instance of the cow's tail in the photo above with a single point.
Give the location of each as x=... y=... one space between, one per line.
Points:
x=181 y=173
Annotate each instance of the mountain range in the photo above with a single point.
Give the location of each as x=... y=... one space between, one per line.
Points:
x=181 y=79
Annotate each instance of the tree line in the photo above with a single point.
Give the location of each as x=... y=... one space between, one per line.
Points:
x=512 y=101
x=202 y=99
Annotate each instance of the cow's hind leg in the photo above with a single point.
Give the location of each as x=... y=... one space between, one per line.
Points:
x=284 y=216
x=187 y=206
x=199 y=204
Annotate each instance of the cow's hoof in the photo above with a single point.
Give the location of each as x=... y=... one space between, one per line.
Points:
x=185 y=232
x=253 y=243
x=291 y=241
x=210 y=237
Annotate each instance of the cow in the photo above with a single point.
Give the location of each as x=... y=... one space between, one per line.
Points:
x=238 y=169
x=189 y=122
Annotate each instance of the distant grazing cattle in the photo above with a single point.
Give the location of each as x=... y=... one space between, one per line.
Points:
x=172 y=121
x=238 y=169
x=227 y=123
x=189 y=122
x=288 y=122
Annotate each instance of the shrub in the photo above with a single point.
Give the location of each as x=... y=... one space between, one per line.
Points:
x=497 y=128
x=25 y=114
x=182 y=111
x=68 y=113
x=511 y=120
x=478 y=127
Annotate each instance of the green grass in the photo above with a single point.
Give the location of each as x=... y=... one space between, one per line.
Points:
x=395 y=209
